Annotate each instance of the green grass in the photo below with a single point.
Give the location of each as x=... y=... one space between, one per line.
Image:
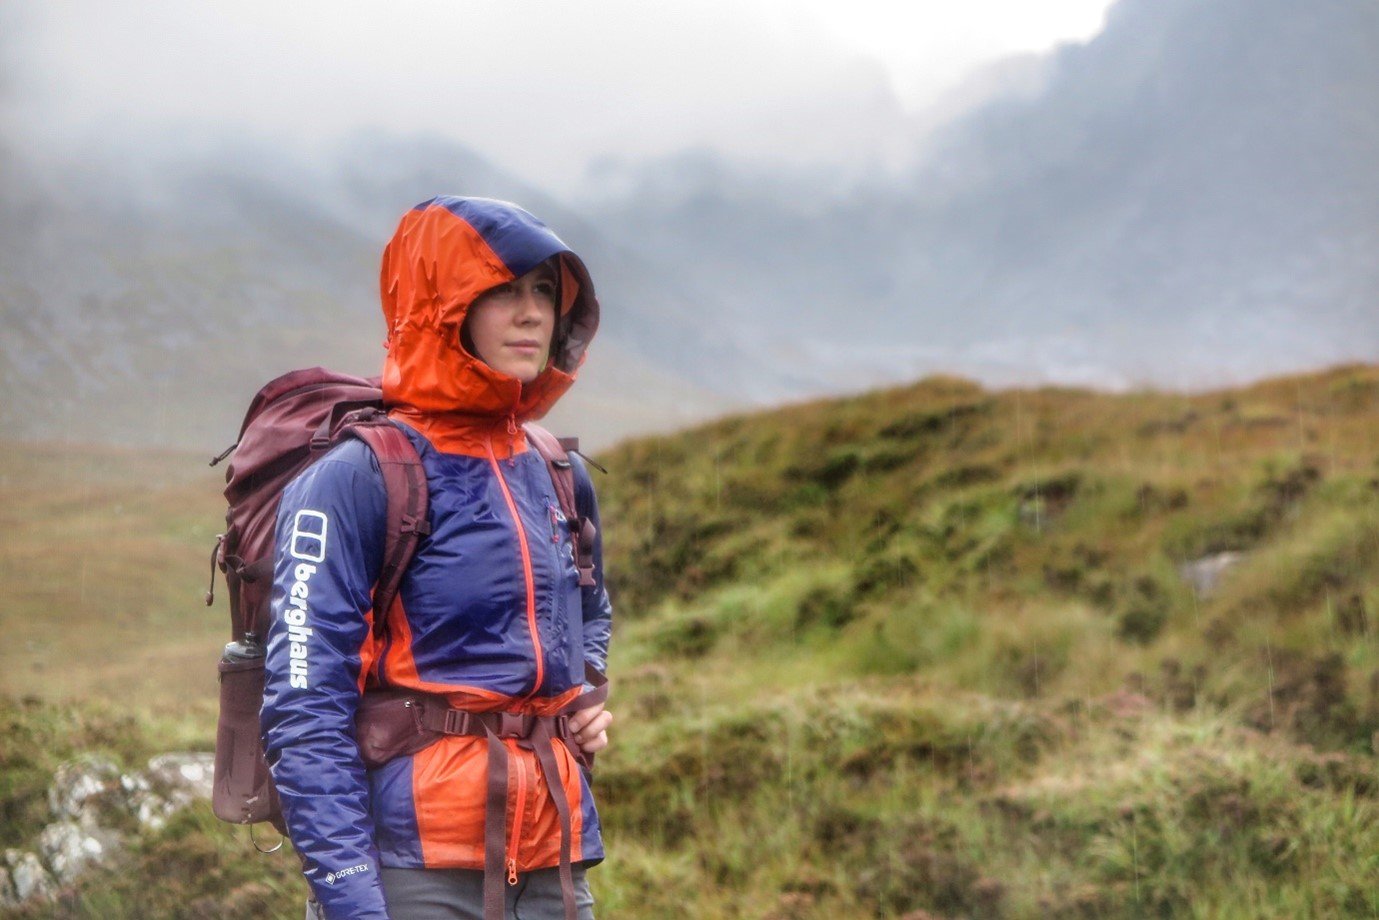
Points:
x=925 y=649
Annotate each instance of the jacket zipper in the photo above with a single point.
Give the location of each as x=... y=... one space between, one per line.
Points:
x=558 y=593
x=526 y=567
x=520 y=808
x=519 y=813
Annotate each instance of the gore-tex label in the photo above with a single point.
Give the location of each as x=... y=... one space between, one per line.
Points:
x=341 y=873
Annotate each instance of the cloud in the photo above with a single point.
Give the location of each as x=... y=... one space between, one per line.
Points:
x=540 y=87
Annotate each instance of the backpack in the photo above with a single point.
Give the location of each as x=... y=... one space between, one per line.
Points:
x=291 y=422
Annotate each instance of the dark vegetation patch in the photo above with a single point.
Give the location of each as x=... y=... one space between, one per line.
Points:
x=1272 y=500
x=920 y=866
x=1153 y=500
x=963 y=475
x=972 y=532
x=881 y=574
x=1175 y=424
x=676 y=557
x=1075 y=568
x=686 y=637
x=1353 y=617
x=1142 y=610
x=1308 y=696
x=828 y=470
x=827 y=606
x=1043 y=500
x=942 y=420
x=1029 y=668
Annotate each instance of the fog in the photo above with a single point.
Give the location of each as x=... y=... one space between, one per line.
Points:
x=539 y=88
x=777 y=202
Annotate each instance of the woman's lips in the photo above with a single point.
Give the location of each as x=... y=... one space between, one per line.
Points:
x=525 y=347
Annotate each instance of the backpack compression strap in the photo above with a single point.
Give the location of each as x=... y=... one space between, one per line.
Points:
x=405 y=482
x=553 y=451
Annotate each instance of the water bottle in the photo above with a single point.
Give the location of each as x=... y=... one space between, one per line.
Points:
x=246 y=649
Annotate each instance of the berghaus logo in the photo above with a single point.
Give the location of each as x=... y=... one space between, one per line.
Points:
x=308 y=546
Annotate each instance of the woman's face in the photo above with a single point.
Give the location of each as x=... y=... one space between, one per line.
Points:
x=510 y=326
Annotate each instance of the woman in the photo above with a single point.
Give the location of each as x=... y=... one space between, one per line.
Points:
x=489 y=315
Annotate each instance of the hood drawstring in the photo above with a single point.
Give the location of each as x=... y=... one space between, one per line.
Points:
x=512 y=437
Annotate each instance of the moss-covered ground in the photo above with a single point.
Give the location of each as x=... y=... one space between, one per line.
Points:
x=932 y=651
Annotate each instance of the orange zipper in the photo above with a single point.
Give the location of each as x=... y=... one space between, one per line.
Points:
x=519 y=812
x=526 y=568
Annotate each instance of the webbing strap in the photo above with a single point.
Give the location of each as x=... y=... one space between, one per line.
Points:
x=562 y=474
x=495 y=827
x=405 y=482
x=545 y=755
x=552 y=450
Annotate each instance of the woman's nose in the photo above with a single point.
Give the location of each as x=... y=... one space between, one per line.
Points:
x=529 y=307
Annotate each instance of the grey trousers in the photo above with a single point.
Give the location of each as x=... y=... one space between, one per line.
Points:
x=458 y=894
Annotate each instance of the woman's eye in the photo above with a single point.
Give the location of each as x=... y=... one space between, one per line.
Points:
x=546 y=289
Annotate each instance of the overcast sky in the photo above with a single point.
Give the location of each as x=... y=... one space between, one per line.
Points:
x=542 y=87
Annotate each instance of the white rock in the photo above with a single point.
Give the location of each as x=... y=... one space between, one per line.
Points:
x=151 y=810
x=133 y=783
x=81 y=791
x=78 y=783
x=27 y=875
x=1205 y=574
x=182 y=778
x=69 y=848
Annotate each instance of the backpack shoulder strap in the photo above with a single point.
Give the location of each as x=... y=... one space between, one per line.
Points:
x=553 y=451
x=405 y=483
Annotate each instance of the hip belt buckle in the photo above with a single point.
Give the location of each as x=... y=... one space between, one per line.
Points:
x=514 y=725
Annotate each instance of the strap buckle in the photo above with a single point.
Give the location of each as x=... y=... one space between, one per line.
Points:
x=513 y=725
x=456 y=722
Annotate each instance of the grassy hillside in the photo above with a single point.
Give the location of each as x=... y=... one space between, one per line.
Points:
x=923 y=650
x=1023 y=545
x=104 y=558
x=940 y=654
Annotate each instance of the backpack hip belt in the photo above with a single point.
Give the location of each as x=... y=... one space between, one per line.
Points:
x=394 y=723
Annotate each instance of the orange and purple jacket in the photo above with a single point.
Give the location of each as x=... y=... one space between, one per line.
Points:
x=490 y=611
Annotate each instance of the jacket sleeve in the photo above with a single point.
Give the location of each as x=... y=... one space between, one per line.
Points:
x=329 y=551
x=598 y=612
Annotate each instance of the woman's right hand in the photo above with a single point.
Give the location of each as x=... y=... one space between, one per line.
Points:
x=590 y=728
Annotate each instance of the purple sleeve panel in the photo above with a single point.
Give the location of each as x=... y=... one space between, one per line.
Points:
x=329 y=551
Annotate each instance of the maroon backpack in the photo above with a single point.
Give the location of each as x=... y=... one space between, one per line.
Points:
x=290 y=424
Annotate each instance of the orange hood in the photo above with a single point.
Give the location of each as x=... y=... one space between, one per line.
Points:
x=446 y=252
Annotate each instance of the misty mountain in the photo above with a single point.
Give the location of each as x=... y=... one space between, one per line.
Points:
x=1188 y=198
x=147 y=299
